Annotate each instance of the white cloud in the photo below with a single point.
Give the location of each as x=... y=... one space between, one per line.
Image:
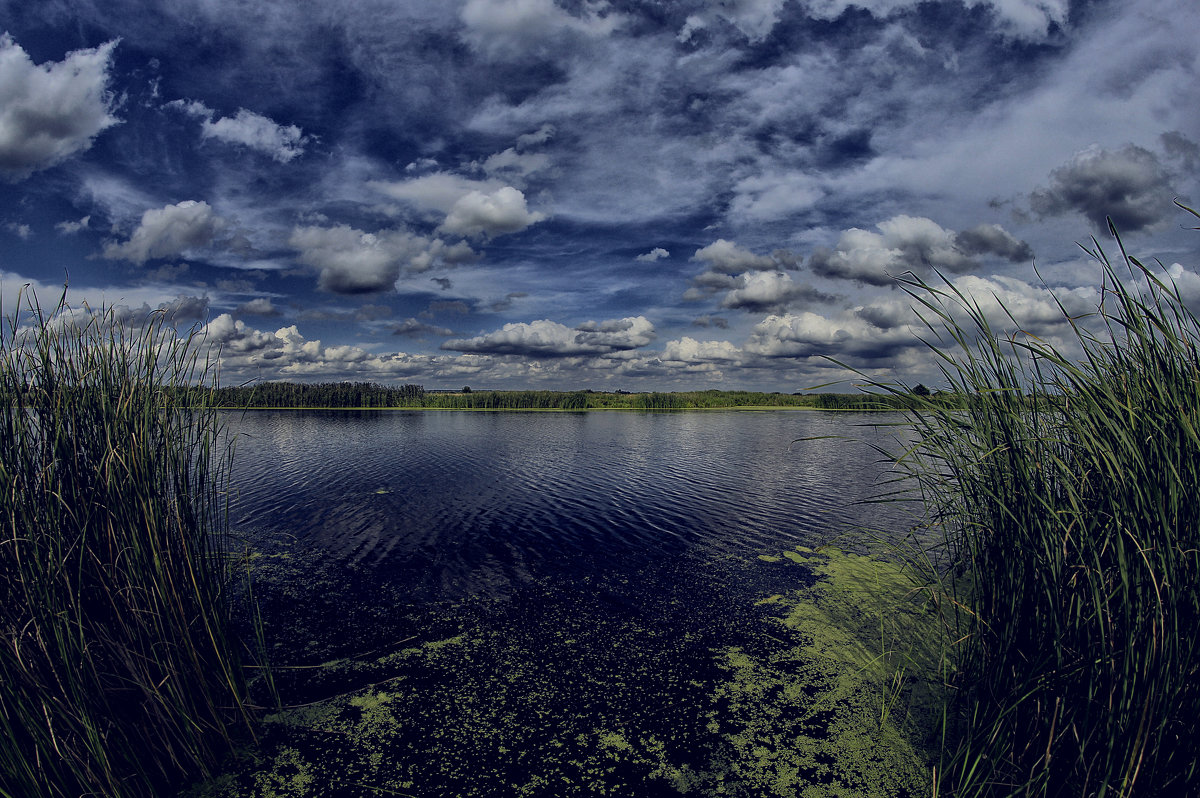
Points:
x=769 y=291
x=1022 y=19
x=912 y=244
x=545 y=338
x=439 y=191
x=52 y=111
x=658 y=253
x=351 y=261
x=479 y=214
x=257 y=307
x=68 y=227
x=775 y=195
x=726 y=257
x=689 y=350
x=248 y=129
x=810 y=335
x=519 y=28
x=168 y=231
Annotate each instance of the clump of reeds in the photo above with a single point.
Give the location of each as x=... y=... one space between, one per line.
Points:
x=117 y=676
x=1068 y=490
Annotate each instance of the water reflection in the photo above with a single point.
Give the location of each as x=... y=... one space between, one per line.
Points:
x=459 y=503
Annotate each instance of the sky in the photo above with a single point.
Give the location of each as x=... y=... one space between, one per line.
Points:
x=604 y=194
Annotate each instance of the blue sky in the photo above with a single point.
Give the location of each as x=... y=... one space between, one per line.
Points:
x=631 y=194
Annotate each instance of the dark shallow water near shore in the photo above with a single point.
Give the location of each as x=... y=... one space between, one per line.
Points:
x=572 y=604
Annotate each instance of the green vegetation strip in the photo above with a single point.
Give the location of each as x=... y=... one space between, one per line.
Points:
x=370 y=396
x=787 y=675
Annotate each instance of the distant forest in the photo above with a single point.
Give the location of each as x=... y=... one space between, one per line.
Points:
x=371 y=395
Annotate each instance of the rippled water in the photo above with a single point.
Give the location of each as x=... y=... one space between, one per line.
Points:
x=467 y=503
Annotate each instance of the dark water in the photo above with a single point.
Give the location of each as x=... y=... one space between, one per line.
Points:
x=454 y=504
x=477 y=604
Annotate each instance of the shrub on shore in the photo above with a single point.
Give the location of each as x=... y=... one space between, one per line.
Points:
x=117 y=674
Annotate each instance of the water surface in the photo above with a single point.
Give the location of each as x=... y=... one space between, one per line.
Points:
x=453 y=504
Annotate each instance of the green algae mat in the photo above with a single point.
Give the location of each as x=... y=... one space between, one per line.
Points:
x=803 y=674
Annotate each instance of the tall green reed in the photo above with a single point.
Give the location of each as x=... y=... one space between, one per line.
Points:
x=1067 y=489
x=117 y=673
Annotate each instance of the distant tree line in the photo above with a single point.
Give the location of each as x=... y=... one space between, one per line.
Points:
x=371 y=395
x=324 y=394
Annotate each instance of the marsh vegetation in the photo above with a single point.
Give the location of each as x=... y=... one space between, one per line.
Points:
x=1071 y=530
x=118 y=676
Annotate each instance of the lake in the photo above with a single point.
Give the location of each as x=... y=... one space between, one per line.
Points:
x=452 y=504
x=602 y=603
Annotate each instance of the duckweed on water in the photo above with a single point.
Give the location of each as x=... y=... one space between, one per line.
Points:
x=717 y=677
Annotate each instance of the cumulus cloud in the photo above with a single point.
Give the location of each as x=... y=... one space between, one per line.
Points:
x=184 y=309
x=1011 y=305
x=52 y=111
x=248 y=129
x=168 y=231
x=472 y=208
x=545 y=338
x=350 y=261
x=992 y=239
x=726 y=257
x=479 y=214
x=729 y=267
x=438 y=253
x=658 y=253
x=257 y=307
x=811 y=335
x=760 y=292
x=689 y=350
x=21 y=231
x=1128 y=185
x=913 y=244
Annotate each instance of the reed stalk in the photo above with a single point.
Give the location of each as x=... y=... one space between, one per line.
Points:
x=1066 y=489
x=118 y=676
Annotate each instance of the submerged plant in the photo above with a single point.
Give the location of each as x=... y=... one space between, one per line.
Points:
x=1066 y=489
x=117 y=672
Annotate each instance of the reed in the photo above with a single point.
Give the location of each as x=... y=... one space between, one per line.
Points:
x=1066 y=492
x=118 y=676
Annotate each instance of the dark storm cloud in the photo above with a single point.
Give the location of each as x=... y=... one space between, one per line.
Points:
x=1128 y=185
x=992 y=239
x=1178 y=146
